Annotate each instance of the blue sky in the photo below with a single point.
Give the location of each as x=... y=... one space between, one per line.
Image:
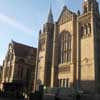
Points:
x=21 y=20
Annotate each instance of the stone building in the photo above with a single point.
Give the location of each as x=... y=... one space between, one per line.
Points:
x=68 y=49
x=19 y=65
x=0 y=75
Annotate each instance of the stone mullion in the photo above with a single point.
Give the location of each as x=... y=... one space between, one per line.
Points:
x=64 y=47
x=64 y=83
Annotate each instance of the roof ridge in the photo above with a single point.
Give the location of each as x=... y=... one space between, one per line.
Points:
x=14 y=42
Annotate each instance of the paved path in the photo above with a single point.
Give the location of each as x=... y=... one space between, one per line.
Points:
x=5 y=98
x=48 y=97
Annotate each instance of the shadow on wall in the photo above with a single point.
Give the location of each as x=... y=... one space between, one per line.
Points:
x=87 y=86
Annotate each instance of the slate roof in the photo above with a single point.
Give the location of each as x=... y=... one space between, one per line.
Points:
x=23 y=50
x=50 y=17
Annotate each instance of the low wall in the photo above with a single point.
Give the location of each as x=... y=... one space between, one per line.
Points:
x=90 y=97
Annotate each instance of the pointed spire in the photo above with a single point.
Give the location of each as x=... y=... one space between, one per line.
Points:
x=50 y=16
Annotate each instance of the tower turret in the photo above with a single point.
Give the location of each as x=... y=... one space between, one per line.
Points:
x=90 y=5
x=45 y=48
x=48 y=26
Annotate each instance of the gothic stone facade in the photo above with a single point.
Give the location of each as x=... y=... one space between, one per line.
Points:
x=19 y=64
x=68 y=50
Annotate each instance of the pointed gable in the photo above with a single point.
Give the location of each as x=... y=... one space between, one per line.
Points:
x=65 y=16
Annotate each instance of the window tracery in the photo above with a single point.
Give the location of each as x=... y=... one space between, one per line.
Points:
x=85 y=30
x=65 y=47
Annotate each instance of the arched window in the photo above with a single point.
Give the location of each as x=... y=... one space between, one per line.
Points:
x=85 y=30
x=65 y=47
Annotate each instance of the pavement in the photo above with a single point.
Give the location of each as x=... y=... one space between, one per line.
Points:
x=6 y=98
x=48 y=97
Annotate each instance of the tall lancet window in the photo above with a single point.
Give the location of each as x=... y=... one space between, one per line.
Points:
x=65 y=47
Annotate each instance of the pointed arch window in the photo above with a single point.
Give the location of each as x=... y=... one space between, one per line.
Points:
x=65 y=47
x=85 y=30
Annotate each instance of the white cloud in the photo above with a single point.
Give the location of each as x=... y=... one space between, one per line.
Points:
x=14 y=23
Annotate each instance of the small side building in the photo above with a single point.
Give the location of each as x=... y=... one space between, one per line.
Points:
x=19 y=66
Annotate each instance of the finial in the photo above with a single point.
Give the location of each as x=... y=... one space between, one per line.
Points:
x=39 y=32
x=12 y=40
x=78 y=12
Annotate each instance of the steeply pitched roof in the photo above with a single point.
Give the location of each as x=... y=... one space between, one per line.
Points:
x=22 y=50
x=50 y=17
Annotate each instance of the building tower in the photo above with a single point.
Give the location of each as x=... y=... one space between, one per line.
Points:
x=88 y=46
x=68 y=50
x=44 y=56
